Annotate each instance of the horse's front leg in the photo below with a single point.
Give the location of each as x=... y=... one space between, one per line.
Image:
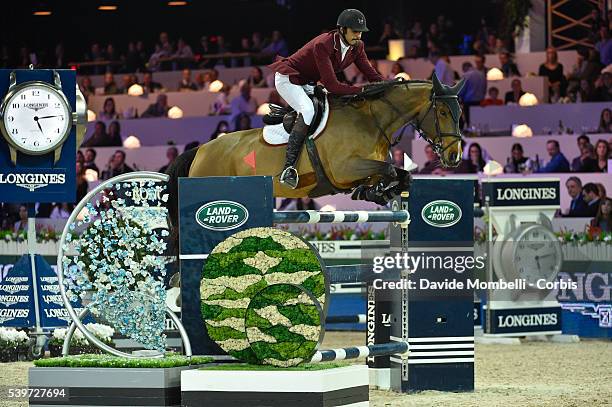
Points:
x=392 y=182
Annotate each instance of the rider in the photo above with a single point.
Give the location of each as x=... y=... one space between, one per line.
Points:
x=321 y=59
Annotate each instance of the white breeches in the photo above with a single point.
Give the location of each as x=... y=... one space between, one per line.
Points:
x=295 y=96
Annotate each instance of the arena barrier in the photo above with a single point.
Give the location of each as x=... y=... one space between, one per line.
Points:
x=417 y=339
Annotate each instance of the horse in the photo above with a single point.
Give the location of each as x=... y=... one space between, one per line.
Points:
x=353 y=147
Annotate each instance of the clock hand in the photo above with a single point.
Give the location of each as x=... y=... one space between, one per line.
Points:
x=38 y=123
x=48 y=117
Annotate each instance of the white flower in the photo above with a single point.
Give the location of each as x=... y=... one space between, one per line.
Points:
x=12 y=335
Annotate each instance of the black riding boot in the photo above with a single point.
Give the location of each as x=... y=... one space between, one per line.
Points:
x=290 y=176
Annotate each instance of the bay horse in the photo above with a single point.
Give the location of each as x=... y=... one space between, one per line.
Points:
x=353 y=147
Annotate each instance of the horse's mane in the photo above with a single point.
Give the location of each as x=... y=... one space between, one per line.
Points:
x=375 y=90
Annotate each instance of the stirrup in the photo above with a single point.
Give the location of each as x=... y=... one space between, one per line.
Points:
x=290 y=177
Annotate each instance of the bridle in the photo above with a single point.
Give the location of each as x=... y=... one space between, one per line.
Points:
x=436 y=143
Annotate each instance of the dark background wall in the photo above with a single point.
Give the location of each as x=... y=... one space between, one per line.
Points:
x=79 y=23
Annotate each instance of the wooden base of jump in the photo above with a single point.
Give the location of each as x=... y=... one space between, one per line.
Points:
x=345 y=386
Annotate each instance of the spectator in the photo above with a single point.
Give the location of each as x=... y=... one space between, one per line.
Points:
x=603 y=87
x=442 y=69
x=388 y=33
x=116 y=166
x=159 y=108
x=604 y=46
x=298 y=204
x=256 y=78
x=257 y=41
x=22 y=224
x=518 y=164
x=87 y=88
x=601 y=190
x=221 y=105
x=396 y=68
x=90 y=160
x=558 y=162
x=493 y=99
x=278 y=46
x=110 y=87
x=360 y=77
x=602 y=152
x=99 y=138
x=191 y=146
x=61 y=211
x=508 y=67
x=81 y=183
x=493 y=45
x=605 y=121
x=164 y=43
x=586 y=92
x=581 y=141
x=591 y=197
x=243 y=103
x=398 y=157
x=204 y=79
x=206 y=48
x=134 y=59
x=183 y=54
x=222 y=128
x=114 y=134
x=80 y=158
x=578 y=207
x=553 y=70
x=603 y=219
x=513 y=96
x=475 y=88
x=479 y=63
x=585 y=162
x=95 y=55
x=587 y=68
x=171 y=154
x=186 y=84
x=148 y=84
x=243 y=122
x=475 y=163
x=127 y=80
x=108 y=112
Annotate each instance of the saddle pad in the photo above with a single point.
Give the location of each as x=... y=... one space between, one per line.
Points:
x=276 y=135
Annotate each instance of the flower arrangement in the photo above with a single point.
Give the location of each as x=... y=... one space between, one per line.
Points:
x=119 y=263
x=44 y=234
x=592 y=235
x=79 y=345
x=13 y=345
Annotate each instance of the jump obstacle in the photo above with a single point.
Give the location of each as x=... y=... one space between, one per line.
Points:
x=417 y=339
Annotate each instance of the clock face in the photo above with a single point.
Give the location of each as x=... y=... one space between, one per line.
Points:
x=537 y=254
x=36 y=119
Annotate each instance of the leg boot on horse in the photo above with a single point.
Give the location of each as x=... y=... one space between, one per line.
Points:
x=290 y=176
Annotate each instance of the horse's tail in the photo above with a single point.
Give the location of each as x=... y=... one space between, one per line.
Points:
x=179 y=168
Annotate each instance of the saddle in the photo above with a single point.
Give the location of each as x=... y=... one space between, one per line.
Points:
x=286 y=115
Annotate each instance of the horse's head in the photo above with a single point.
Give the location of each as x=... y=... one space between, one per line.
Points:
x=440 y=123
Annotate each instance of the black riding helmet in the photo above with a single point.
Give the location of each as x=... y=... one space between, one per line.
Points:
x=353 y=19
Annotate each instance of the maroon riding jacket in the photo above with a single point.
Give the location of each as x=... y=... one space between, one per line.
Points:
x=320 y=60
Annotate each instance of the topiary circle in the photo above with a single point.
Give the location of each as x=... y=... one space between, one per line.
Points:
x=240 y=267
x=283 y=325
